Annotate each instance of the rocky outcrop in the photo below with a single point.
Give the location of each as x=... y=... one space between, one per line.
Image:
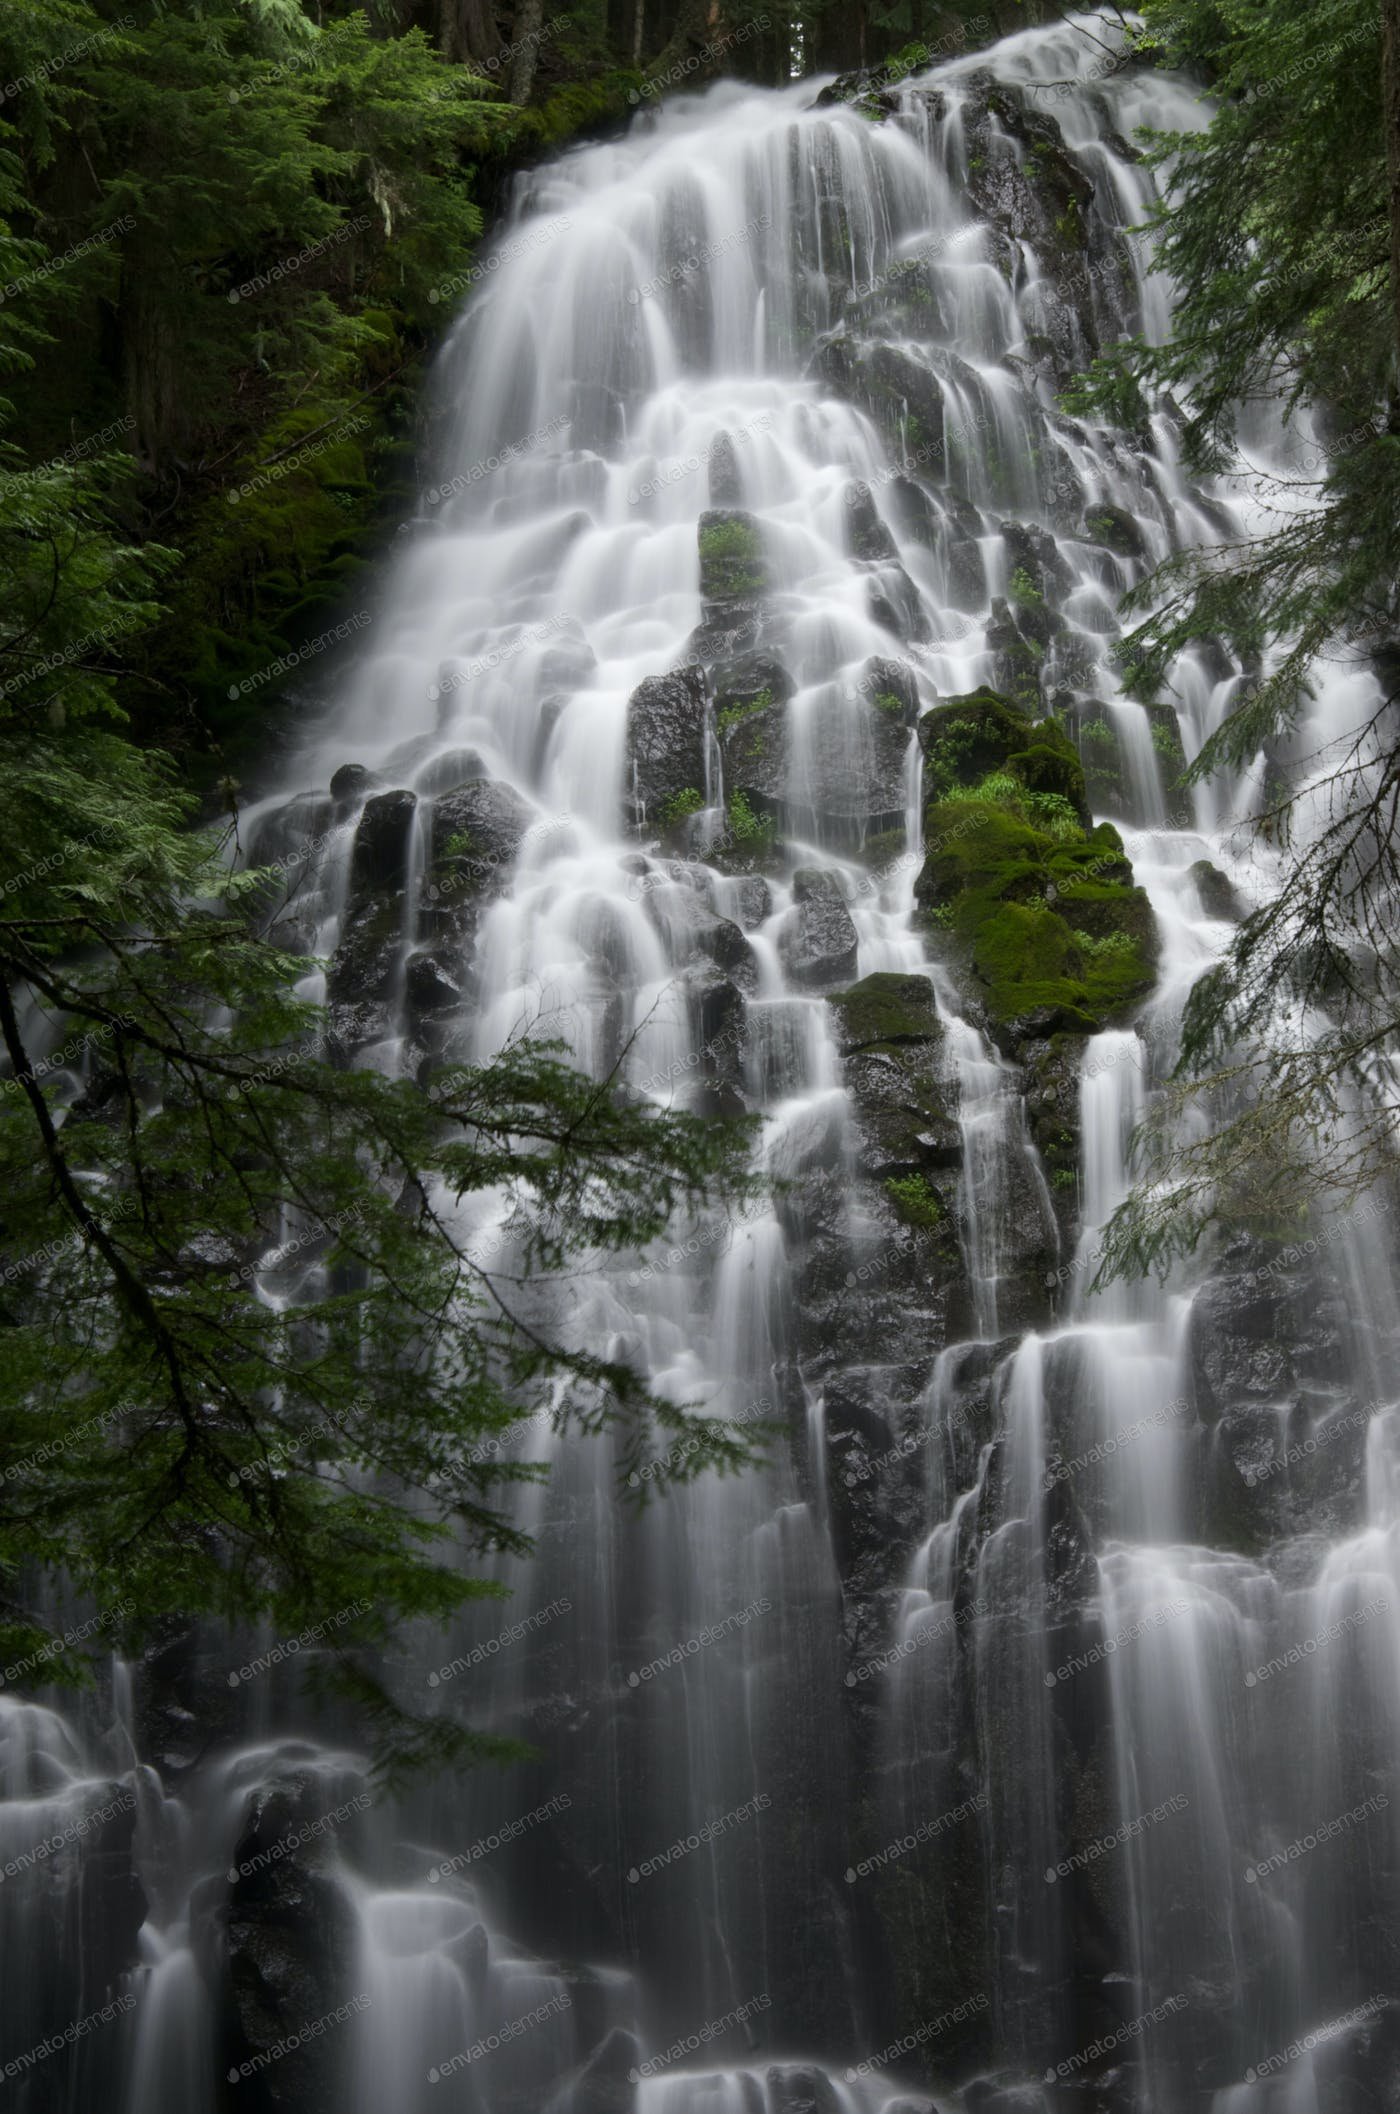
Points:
x=818 y=944
x=1039 y=908
x=667 y=721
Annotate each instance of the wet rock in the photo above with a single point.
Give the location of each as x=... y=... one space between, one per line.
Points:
x=819 y=943
x=666 y=732
x=428 y=988
x=351 y=784
x=291 y=1954
x=1217 y=894
x=725 y=487
x=379 y=861
x=1116 y=529
x=888 y=1008
x=732 y=567
x=867 y=537
x=474 y=836
x=892 y=686
x=443 y=774
x=1046 y=926
x=846 y=776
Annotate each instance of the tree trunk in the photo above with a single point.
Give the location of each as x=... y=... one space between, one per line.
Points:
x=638 y=24
x=525 y=49
x=1390 y=96
x=467 y=30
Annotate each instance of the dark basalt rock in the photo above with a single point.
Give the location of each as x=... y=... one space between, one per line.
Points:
x=379 y=862
x=666 y=734
x=819 y=943
x=291 y=1952
x=1219 y=898
x=723 y=470
x=867 y=537
x=849 y=777
x=351 y=784
x=1115 y=528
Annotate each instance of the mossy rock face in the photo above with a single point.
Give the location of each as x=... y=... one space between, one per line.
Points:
x=731 y=556
x=887 y=1008
x=1052 y=934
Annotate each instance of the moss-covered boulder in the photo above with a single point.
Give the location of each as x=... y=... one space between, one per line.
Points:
x=731 y=556
x=1047 y=926
x=888 y=1008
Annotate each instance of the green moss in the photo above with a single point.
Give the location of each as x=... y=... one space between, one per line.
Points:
x=914 y=1201
x=1099 y=733
x=886 y=701
x=732 y=714
x=886 y=1008
x=731 y=558
x=745 y=827
x=679 y=805
x=1043 y=908
x=1064 y=1178
x=1024 y=590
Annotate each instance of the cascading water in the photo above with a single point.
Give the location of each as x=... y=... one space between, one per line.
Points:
x=996 y=1748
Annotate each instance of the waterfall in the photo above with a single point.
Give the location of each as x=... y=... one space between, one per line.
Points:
x=1020 y=1735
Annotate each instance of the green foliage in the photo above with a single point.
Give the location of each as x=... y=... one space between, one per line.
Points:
x=679 y=805
x=731 y=558
x=915 y=1202
x=745 y=827
x=886 y=701
x=732 y=715
x=1024 y=590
